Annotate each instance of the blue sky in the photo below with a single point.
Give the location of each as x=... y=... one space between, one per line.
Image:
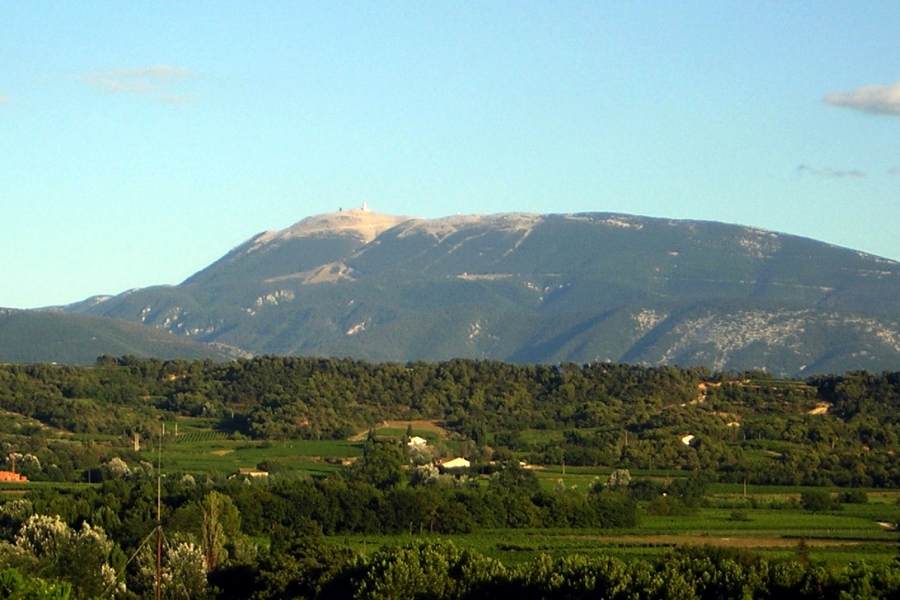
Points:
x=141 y=141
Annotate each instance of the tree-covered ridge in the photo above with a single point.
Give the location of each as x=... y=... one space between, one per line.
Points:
x=317 y=397
x=839 y=429
x=51 y=336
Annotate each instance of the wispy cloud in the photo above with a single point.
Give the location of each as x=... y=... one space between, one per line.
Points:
x=828 y=172
x=876 y=99
x=176 y=99
x=894 y=171
x=155 y=81
x=4 y=99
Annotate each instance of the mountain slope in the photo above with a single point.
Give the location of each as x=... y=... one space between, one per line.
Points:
x=37 y=336
x=538 y=288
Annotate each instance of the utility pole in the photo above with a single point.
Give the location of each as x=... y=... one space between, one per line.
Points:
x=159 y=517
x=157 y=531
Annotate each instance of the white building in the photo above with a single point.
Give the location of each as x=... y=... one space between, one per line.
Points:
x=455 y=463
x=417 y=442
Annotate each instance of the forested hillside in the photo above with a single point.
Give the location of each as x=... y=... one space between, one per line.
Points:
x=828 y=429
x=44 y=336
x=290 y=477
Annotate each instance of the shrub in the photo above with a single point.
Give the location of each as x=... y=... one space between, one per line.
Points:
x=644 y=489
x=853 y=497
x=614 y=509
x=739 y=515
x=665 y=506
x=816 y=500
x=14 y=585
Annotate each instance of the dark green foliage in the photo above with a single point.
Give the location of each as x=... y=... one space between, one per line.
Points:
x=426 y=571
x=625 y=415
x=853 y=497
x=443 y=572
x=15 y=586
x=614 y=509
x=644 y=489
x=512 y=476
x=860 y=393
x=689 y=490
x=668 y=506
x=381 y=464
x=595 y=414
x=740 y=516
x=299 y=564
x=817 y=500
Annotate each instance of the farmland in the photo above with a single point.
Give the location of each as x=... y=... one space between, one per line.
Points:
x=766 y=520
x=836 y=537
x=322 y=460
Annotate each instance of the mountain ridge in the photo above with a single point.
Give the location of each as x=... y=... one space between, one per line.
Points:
x=537 y=288
x=32 y=336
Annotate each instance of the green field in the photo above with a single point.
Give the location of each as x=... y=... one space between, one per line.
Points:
x=832 y=538
x=223 y=456
x=769 y=522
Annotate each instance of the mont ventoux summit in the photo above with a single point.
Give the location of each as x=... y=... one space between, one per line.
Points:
x=516 y=287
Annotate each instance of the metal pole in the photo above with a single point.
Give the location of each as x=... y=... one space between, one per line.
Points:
x=159 y=521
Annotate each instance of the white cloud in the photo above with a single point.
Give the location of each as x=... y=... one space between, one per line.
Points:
x=153 y=80
x=829 y=172
x=877 y=99
x=4 y=99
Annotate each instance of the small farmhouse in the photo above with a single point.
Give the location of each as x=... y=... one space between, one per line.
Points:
x=12 y=477
x=417 y=442
x=455 y=463
x=248 y=472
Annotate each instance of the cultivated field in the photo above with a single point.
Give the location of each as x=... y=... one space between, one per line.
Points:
x=767 y=520
x=834 y=538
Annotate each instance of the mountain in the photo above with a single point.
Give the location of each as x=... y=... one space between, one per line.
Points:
x=537 y=288
x=40 y=336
